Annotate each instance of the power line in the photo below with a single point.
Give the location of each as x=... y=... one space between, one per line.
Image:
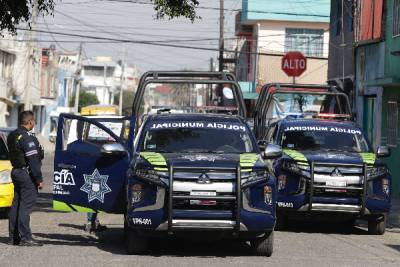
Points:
x=154 y=43
x=216 y=8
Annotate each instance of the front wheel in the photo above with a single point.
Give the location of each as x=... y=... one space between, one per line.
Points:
x=263 y=246
x=135 y=244
x=377 y=225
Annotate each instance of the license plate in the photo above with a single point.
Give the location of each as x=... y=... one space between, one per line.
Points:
x=336 y=183
x=203 y=193
x=203 y=202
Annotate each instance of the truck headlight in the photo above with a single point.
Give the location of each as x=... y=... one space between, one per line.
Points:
x=376 y=171
x=5 y=177
x=147 y=174
x=294 y=167
x=253 y=177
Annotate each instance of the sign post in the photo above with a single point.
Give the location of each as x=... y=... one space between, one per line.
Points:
x=294 y=64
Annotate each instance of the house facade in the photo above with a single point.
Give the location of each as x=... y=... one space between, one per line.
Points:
x=377 y=77
x=341 y=70
x=268 y=29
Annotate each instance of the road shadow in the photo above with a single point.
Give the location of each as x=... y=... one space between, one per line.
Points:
x=324 y=227
x=44 y=203
x=72 y=226
x=66 y=239
x=112 y=241
x=395 y=247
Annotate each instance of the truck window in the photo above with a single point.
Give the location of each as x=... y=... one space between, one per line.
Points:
x=324 y=140
x=298 y=105
x=197 y=140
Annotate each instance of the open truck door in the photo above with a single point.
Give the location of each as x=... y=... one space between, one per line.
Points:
x=90 y=164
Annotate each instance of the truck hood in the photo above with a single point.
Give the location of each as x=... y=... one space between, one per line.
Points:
x=328 y=156
x=164 y=160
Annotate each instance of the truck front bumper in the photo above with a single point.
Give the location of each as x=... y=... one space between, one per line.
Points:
x=246 y=209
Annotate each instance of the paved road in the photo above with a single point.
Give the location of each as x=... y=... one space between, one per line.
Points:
x=306 y=244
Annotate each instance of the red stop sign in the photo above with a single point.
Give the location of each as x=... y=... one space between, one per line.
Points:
x=294 y=63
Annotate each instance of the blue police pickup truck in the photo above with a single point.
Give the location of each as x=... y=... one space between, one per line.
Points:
x=185 y=164
x=328 y=168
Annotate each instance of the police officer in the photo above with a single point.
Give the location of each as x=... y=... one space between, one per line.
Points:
x=26 y=155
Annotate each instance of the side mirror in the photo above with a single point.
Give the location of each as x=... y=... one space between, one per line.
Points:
x=272 y=152
x=382 y=152
x=114 y=149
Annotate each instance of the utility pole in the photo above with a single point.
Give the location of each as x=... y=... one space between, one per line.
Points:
x=121 y=92
x=78 y=80
x=211 y=64
x=221 y=35
x=31 y=56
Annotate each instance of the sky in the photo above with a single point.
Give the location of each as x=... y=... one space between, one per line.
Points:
x=136 y=21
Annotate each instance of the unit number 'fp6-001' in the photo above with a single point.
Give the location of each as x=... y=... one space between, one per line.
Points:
x=141 y=221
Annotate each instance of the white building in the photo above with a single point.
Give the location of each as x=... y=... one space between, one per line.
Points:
x=19 y=80
x=99 y=78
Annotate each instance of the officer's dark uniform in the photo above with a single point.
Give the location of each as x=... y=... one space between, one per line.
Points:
x=25 y=156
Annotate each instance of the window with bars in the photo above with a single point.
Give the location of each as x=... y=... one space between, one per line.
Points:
x=308 y=41
x=396 y=17
x=392 y=122
x=6 y=64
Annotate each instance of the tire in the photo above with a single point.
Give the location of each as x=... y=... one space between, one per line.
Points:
x=263 y=246
x=377 y=226
x=135 y=244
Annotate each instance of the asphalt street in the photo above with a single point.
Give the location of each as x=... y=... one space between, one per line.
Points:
x=304 y=244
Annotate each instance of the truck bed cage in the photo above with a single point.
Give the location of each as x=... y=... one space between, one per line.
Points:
x=236 y=199
x=191 y=77
x=264 y=100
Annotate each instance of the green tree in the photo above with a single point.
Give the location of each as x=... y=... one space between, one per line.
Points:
x=14 y=12
x=127 y=102
x=85 y=99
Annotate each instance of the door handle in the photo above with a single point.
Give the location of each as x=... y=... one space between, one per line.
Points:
x=66 y=166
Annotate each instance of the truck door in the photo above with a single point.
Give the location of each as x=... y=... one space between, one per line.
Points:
x=90 y=163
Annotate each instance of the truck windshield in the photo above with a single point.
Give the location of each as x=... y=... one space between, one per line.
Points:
x=324 y=140
x=197 y=140
x=305 y=104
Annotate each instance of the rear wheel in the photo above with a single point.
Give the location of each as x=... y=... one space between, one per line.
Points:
x=263 y=246
x=135 y=244
x=377 y=225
